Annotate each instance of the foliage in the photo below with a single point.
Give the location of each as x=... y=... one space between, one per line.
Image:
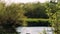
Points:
x=35 y=11
x=13 y=15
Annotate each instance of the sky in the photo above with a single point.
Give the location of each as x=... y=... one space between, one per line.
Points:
x=23 y=1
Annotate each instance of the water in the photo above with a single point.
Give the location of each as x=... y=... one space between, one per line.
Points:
x=34 y=30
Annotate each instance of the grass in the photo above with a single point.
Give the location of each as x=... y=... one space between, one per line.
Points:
x=29 y=19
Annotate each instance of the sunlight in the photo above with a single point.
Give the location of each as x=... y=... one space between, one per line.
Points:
x=25 y=1
x=42 y=1
x=8 y=2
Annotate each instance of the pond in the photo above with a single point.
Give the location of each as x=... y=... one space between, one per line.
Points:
x=34 y=30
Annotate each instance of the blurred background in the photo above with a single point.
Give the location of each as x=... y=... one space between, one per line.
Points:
x=25 y=15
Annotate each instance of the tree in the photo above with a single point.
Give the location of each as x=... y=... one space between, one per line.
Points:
x=9 y=17
x=36 y=11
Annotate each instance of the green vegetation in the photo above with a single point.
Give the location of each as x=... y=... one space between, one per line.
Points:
x=16 y=15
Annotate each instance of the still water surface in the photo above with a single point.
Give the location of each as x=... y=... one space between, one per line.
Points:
x=34 y=30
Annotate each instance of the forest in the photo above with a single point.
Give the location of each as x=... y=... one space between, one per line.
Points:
x=29 y=14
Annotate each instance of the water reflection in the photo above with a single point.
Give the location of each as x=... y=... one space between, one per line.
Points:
x=34 y=30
